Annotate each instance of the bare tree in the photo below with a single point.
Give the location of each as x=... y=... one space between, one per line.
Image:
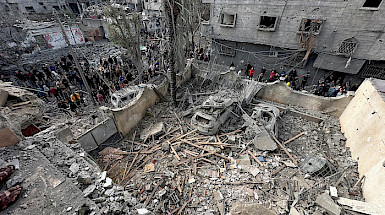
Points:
x=171 y=11
x=125 y=32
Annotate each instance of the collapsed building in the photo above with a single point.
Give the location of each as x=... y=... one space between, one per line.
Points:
x=268 y=153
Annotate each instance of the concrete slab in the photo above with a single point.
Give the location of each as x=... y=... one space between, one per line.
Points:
x=104 y=130
x=8 y=138
x=263 y=141
x=88 y=142
x=326 y=202
x=65 y=135
x=45 y=189
x=154 y=130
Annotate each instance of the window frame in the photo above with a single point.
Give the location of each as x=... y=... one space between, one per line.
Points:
x=268 y=29
x=221 y=17
x=307 y=32
x=345 y=41
x=371 y=8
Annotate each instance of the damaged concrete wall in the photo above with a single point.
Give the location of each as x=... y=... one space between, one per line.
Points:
x=128 y=117
x=98 y=135
x=365 y=133
x=281 y=93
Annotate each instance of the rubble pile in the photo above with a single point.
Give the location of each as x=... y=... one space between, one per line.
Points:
x=92 y=51
x=168 y=166
x=261 y=158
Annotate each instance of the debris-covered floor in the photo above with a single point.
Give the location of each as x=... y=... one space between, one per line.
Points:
x=263 y=158
x=168 y=166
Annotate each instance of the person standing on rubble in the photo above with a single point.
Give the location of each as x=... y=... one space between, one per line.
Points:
x=251 y=74
x=248 y=67
x=75 y=99
x=305 y=78
x=272 y=76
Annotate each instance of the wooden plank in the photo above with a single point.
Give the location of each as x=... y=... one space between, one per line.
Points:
x=255 y=158
x=200 y=147
x=151 y=195
x=190 y=159
x=176 y=154
x=295 y=137
x=287 y=152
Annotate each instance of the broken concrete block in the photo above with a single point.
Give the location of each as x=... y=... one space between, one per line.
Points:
x=84 y=178
x=326 y=202
x=314 y=165
x=333 y=192
x=242 y=208
x=3 y=97
x=65 y=135
x=154 y=130
x=108 y=183
x=217 y=195
x=221 y=208
x=14 y=181
x=244 y=161
x=149 y=167
x=90 y=189
x=143 y=211
x=166 y=146
x=294 y=211
x=361 y=207
x=8 y=138
x=74 y=168
x=262 y=141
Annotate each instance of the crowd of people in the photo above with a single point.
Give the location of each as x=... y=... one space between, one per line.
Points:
x=329 y=87
x=62 y=81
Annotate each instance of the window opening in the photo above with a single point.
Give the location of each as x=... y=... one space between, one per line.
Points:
x=267 y=23
x=372 y=3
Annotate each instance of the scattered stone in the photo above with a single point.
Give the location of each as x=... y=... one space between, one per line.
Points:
x=149 y=167
x=166 y=146
x=84 y=178
x=217 y=195
x=74 y=168
x=90 y=189
x=108 y=183
x=14 y=181
x=326 y=202
x=154 y=130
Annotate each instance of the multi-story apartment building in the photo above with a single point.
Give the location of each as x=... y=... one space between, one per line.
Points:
x=321 y=37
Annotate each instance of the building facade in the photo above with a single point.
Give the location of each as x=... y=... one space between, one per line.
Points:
x=321 y=37
x=152 y=15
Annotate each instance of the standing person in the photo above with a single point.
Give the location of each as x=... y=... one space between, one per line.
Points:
x=251 y=74
x=292 y=75
x=248 y=67
x=99 y=96
x=305 y=78
x=272 y=76
x=75 y=98
x=263 y=71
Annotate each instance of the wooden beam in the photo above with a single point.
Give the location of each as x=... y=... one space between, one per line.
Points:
x=176 y=154
x=200 y=147
x=295 y=137
x=256 y=159
x=287 y=152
